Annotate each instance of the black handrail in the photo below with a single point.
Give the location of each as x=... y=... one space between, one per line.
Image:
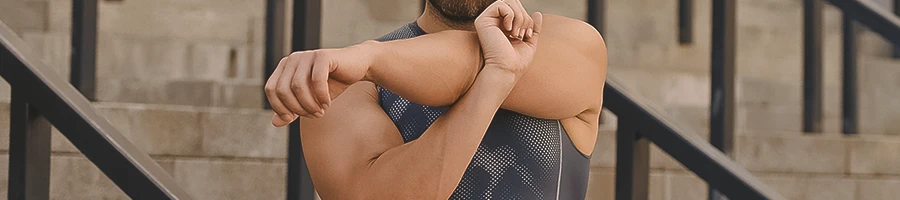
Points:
x=36 y=89
x=881 y=21
x=874 y=16
x=639 y=125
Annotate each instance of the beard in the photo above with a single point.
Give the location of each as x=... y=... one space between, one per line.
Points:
x=461 y=11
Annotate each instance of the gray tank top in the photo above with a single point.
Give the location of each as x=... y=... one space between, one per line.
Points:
x=520 y=157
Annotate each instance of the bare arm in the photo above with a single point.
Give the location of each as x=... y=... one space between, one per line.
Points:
x=564 y=80
x=355 y=152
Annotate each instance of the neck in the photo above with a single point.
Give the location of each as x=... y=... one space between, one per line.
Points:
x=431 y=21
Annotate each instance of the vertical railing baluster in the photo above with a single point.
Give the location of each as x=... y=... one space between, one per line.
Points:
x=84 y=47
x=596 y=10
x=275 y=40
x=812 y=66
x=849 y=90
x=897 y=12
x=685 y=21
x=29 y=149
x=305 y=35
x=722 y=69
x=632 y=162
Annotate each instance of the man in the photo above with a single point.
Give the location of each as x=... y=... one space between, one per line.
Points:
x=453 y=113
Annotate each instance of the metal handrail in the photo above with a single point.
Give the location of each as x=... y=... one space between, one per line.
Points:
x=638 y=121
x=130 y=168
x=874 y=16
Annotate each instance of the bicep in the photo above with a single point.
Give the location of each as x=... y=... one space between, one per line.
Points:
x=566 y=77
x=341 y=145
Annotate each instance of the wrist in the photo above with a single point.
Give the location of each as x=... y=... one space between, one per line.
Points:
x=500 y=76
x=369 y=51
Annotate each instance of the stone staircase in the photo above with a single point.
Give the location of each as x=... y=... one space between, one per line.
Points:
x=182 y=80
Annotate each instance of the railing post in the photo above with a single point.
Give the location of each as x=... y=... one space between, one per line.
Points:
x=29 y=150
x=275 y=44
x=849 y=109
x=722 y=69
x=632 y=162
x=812 y=66
x=596 y=9
x=84 y=47
x=897 y=12
x=685 y=21
x=305 y=35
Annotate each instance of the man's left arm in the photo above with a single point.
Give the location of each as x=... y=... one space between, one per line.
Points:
x=565 y=78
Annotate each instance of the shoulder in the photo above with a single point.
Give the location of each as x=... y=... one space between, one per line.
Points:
x=574 y=32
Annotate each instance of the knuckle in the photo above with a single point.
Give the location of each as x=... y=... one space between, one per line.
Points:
x=297 y=86
x=284 y=93
x=269 y=89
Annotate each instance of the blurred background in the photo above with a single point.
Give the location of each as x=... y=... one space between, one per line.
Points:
x=182 y=80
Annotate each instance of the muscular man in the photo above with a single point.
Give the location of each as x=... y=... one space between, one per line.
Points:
x=436 y=111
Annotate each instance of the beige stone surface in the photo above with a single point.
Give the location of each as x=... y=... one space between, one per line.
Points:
x=75 y=177
x=686 y=186
x=877 y=189
x=807 y=154
x=204 y=179
x=183 y=131
x=874 y=157
x=24 y=15
x=800 y=187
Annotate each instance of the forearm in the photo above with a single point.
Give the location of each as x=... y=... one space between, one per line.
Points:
x=433 y=69
x=433 y=165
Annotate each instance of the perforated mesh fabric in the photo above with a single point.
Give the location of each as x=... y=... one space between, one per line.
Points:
x=520 y=157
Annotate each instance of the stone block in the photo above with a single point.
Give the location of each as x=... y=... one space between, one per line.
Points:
x=877 y=189
x=77 y=178
x=24 y=16
x=874 y=157
x=60 y=16
x=158 y=131
x=242 y=134
x=601 y=184
x=806 y=154
x=211 y=61
x=190 y=92
x=206 y=179
x=190 y=131
x=54 y=49
x=604 y=154
x=120 y=57
x=686 y=187
x=803 y=187
x=351 y=22
x=239 y=94
x=190 y=20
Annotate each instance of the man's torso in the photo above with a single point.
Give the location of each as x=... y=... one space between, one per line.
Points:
x=520 y=157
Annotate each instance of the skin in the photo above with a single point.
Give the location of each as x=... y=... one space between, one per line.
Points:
x=367 y=159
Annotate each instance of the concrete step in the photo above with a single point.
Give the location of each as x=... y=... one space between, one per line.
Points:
x=797 y=165
x=213 y=153
x=221 y=153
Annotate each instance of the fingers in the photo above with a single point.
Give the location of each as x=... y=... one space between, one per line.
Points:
x=300 y=85
x=284 y=91
x=538 y=26
x=319 y=80
x=522 y=22
x=283 y=115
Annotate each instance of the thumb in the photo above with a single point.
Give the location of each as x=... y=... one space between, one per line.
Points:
x=538 y=27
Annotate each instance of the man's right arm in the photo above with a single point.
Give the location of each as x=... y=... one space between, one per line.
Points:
x=355 y=152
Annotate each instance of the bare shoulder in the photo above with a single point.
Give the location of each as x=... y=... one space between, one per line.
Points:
x=577 y=32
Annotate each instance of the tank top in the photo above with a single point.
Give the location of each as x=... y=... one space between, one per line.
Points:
x=520 y=157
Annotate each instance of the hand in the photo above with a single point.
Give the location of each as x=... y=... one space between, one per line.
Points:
x=305 y=82
x=513 y=54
